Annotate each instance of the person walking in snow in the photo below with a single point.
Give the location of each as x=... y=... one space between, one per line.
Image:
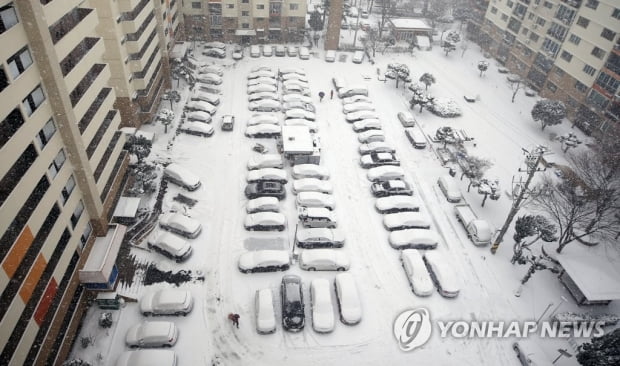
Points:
x=235 y=319
x=331 y=94
x=321 y=96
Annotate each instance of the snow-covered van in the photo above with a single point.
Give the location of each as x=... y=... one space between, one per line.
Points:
x=417 y=274
x=180 y=176
x=449 y=188
x=416 y=137
x=349 y=303
x=414 y=239
x=442 y=273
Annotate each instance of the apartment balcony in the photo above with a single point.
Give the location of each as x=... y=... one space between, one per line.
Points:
x=127 y=6
x=131 y=22
x=140 y=61
x=573 y=3
x=105 y=129
x=88 y=90
x=141 y=80
x=134 y=45
x=71 y=30
x=96 y=112
x=54 y=10
x=114 y=147
x=84 y=61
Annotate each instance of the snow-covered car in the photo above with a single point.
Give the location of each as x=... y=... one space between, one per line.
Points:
x=152 y=334
x=392 y=204
x=384 y=173
x=262 y=73
x=339 y=83
x=295 y=76
x=360 y=115
x=265 y=311
x=370 y=136
x=181 y=176
x=214 y=52
x=406 y=220
x=443 y=275
x=348 y=299
x=391 y=188
x=289 y=84
x=196 y=128
x=265 y=221
x=268 y=118
x=265 y=189
x=312 y=217
x=319 y=238
x=228 y=122
x=207 y=88
x=237 y=53
x=280 y=50
x=209 y=79
x=270 y=174
x=254 y=50
x=406 y=119
x=291 y=51
x=378 y=159
x=265 y=161
x=309 y=107
x=180 y=224
x=367 y=124
x=293 y=97
x=261 y=68
x=450 y=188
x=205 y=97
x=419 y=279
x=351 y=90
x=264 y=261
x=299 y=113
x=265 y=105
x=263 y=95
x=377 y=146
x=413 y=239
x=169 y=245
x=357 y=106
x=293 y=315
x=312 y=184
x=358 y=57
x=215 y=44
x=295 y=89
x=312 y=126
x=147 y=357
x=262 y=80
x=324 y=260
x=267 y=50
x=258 y=88
x=263 y=204
x=304 y=53
x=292 y=70
x=330 y=56
x=212 y=69
x=199 y=116
x=167 y=302
x=416 y=137
x=322 y=308
x=263 y=130
x=316 y=199
x=356 y=99
x=530 y=354
x=310 y=171
x=196 y=105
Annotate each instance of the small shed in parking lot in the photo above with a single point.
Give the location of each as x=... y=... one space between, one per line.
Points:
x=405 y=29
x=299 y=146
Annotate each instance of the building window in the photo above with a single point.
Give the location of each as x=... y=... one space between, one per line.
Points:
x=245 y=25
x=4 y=81
x=531 y=16
x=534 y=37
x=493 y=10
x=589 y=70
x=57 y=164
x=597 y=99
x=527 y=52
x=86 y=234
x=548 y=5
x=598 y=53
x=45 y=135
x=581 y=86
x=230 y=6
x=10 y=125
x=33 y=100
x=77 y=213
x=583 y=22
x=196 y=5
x=592 y=4
x=509 y=3
x=608 y=82
x=19 y=62
x=294 y=6
x=574 y=39
x=67 y=190
x=260 y=6
x=541 y=22
x=608 y=34
x=559 y=71
x=504 y=17
x=245 y=1
x=551 y=86
x=566 y=56
x=245 y=13
x=8 y=18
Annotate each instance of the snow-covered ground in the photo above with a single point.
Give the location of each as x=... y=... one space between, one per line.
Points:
x=488 y=282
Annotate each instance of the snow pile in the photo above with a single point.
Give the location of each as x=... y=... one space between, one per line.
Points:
x=570 y=318
x=445 y=107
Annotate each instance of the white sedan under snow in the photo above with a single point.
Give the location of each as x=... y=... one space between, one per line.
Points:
x=167 y=302
x=262 y=88
x=262 y=73
x=349 y=302
x=322 y=307
x=262 y=80
x=272 y=174
x=180 y=224
x=406 y=220
x=296 y=98
x=356 y=98
x=264 y=261
x=310 y=171
x=263 y=130
x=265 y=105
x=384 y=173
x=265 y=221
x=265 y=311
x=324 y=260
x=357 y=106
x=414 y=239
x=263 y=204
x=263 y=118
x=195 y=105
x=312 y=184
x=262 y=95
x=367 y=124
x=299 y=113
x=315 y=199
x=199 y=116
x=152 y=334
x=377 y=146
x=265 y=161
x=196 y=128
x=391 y=204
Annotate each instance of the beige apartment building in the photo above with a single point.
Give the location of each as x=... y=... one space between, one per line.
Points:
x=566 y=49
x=72 y=73
x=245 y=21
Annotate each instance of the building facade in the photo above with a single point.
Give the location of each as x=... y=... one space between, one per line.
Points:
x=567 y=50
x=72 y=73
x=245 y=21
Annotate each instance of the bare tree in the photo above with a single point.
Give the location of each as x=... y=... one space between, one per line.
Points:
x=477 y=167
x=515 y=86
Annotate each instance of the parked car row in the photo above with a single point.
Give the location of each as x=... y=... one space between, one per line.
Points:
x=279 y=51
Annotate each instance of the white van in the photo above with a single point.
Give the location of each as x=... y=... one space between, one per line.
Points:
x=330 y=56
x=417 y=274
x=180 y=176
x=358 y=57
x=442 y=274
x=316 y=199
x=416 y=138
x=449 y=188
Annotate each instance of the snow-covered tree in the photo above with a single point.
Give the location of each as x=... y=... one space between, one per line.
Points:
x=601 y=351
x=399 y=71
x=144 y=179
x=419 y=97
x=549 y=112
x=534 y=228
x=483 y=66
x=450 y=41
x=316 y=21
x=476 y=168
x=488 y=188
x=166 y=116
x=138 y=146
x=428 y=79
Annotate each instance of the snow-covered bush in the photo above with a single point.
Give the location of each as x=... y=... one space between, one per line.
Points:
x=445 y=107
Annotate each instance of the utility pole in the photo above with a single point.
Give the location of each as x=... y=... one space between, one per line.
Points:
x=357 y=26
x=532 y=160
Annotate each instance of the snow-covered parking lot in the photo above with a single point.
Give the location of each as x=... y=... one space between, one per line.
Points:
x=487 y=283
